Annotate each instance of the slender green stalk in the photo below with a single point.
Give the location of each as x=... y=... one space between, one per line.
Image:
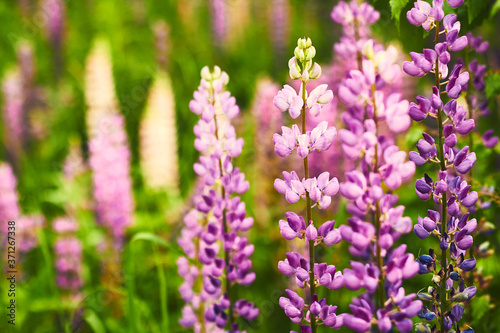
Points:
x=163 y=289
x=377 y=221
x=469 y=108
x=444 y=268
x=132 y=315
x=49 y=263
x=224 y=225
x=312 y=285
x=359 y=56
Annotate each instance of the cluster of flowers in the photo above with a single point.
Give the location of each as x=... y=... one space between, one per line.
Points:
x=9 y=202
x=214 y=230
x=475 y=92
x=110 y=164
x=316 y=191
x=453 y=194
x=68 y=251
x=374 y=104
x=26 y=227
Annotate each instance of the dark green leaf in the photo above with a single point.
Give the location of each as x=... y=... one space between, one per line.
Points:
x=396 y=8
x=492 y=85
x=474 y=8
x=495 y=8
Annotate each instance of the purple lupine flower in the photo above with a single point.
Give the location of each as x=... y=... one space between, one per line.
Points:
x=288 y=100
x=350 y=14
x=9 y=199
x=112 y=185
x=26 y=232
x=55 y=12
x=280 y=15
x=489 y=140
x=68 y=251
x=218 y=10
x=450 y=226
x=372 y=100
x=316 y=191
x=212 y=232
x=13 y=111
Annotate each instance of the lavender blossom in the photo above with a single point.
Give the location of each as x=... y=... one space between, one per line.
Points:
x=315 y=191
x=13 y=112
x=110 y=164
x=214 y=230
x=453 y=195
x=68 y=256
x=9 y=206
x=219 y=19
x=372 y=102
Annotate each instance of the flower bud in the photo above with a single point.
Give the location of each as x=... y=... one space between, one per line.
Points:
x=454 y=276
x=205 y=73
x=422 y=328
x=296 y=52
x=430 y=316
x=305 y=75
x=301 y=43
x=424 y=297
x=460 y=297
x=316 y=71
x=308 y=42
x=294 y=68
x=216 y=73
x=310 y=53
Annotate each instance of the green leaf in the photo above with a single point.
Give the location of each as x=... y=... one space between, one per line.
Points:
x=150 y=237
x=396 y=8
x=480 y=306
x=93 y=320
x=495 y=8
x=474 y=8
x=492 y=85
x=147 y=236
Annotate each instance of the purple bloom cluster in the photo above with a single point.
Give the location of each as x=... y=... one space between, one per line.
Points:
x=373 y=104
x=68 y=251
x=218 y=11
x=9 y=201
x=55 y=11
x=449 y=190
x=110 y=163
x=476 y=100
x=214 y=230
x=280 y=16
x=315 y=191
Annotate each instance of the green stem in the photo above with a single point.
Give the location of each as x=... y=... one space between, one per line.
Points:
x=225 y=227
x=49 y=263
x=359 y=56
x=442 y=291
x=469 y=106
x=130 y=282
x=377 y=222
x=163 y=290
x=312 y=285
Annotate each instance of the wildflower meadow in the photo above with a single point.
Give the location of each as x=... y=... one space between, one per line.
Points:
x=250 y=166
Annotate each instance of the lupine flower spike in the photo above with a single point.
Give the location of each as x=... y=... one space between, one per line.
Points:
x=450 y=223
x=214 y=233
x=373 y=100
x=315 y=191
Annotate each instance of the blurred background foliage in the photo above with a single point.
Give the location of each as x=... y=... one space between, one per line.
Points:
x=149 y=270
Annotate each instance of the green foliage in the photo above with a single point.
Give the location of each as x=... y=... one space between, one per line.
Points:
x=149 y=290
x=492 y=85
x=396 y=8
x=475 y=7
x=495 y=8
